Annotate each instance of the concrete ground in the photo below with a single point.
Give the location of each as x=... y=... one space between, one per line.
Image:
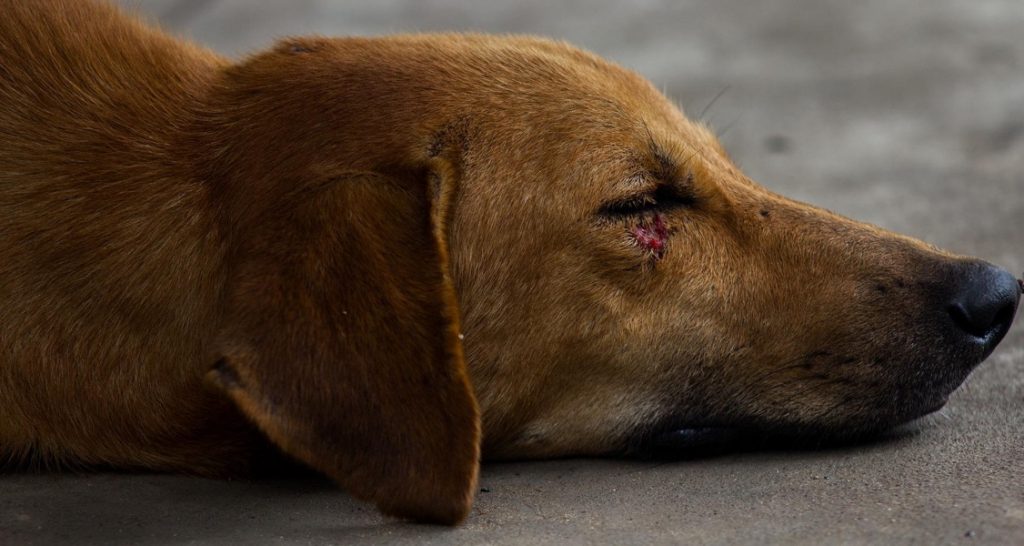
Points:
x=905 y=113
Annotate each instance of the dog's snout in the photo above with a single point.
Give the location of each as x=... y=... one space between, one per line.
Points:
x=983 y=303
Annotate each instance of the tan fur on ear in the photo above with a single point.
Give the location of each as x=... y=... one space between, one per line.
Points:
x=343 y=346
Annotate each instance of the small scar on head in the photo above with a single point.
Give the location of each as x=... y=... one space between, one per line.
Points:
x=651 y=235
x=765 y=213
x=299 y=48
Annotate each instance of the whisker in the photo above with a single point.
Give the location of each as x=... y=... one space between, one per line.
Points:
x=712 y=102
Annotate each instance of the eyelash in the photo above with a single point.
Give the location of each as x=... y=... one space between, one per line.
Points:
x=659 y=200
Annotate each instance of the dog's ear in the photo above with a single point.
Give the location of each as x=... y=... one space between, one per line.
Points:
x=342 y=343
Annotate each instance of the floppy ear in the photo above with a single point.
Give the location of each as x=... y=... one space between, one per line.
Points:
x=342 y=343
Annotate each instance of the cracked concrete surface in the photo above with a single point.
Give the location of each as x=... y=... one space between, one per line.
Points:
x=905 y=113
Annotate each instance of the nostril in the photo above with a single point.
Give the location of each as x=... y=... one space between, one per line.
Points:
x=982 y=327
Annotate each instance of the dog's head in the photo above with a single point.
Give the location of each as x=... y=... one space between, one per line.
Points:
x=617 y=277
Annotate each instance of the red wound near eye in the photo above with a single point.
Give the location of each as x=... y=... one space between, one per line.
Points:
x=651 y=235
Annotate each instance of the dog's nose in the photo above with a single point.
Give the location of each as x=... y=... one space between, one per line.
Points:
x=984 y=302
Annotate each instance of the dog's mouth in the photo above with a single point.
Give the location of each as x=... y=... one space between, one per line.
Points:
x=863 y=416
x=676 y=442
x=695 y=443
x=918 y=388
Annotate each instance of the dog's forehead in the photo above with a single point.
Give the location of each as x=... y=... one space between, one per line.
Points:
x=612 y=111
x=557 y=110
x=538 y=69
x=521 y=84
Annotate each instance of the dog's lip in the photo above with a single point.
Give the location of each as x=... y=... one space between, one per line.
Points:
x=695 y=437
x=930 y=408
x=692 y=442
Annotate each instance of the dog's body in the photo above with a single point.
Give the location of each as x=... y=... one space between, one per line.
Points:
x=112 y=268
x=196 y=256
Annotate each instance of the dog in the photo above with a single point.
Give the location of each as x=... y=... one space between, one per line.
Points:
x=383 y=257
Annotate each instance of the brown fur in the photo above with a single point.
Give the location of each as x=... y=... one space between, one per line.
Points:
x=190 y=245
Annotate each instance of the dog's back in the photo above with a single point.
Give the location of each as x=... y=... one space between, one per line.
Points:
x=108 y=256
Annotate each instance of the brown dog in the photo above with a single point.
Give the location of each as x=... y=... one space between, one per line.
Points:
x=369 y=250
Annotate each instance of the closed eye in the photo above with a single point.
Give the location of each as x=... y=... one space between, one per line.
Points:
x=664 y=198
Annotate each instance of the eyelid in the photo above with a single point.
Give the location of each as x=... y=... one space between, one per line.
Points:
x=660 y=197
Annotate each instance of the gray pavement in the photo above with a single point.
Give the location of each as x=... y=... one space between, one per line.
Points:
x=908 y=114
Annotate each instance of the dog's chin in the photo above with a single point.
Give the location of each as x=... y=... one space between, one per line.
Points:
x=696 y=442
